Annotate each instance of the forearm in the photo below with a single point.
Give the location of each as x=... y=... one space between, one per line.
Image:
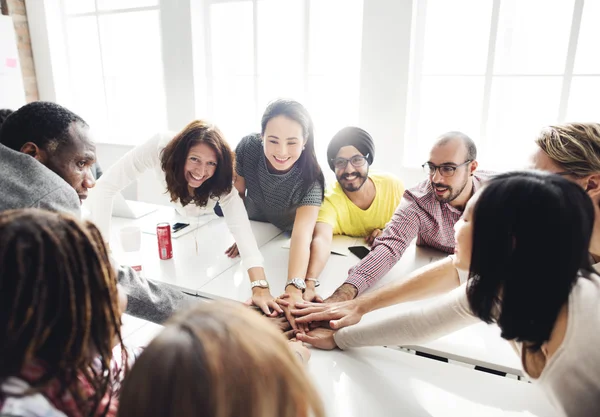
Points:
x=386 y=252
x=299 y=255
x=238 y=224
x=256 y=273
x=387 y=249
x=320 y=249
x=434 y=279
x=419 y=325
x=344 y=292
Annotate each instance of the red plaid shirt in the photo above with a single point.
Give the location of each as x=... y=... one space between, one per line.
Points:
x=419 y=215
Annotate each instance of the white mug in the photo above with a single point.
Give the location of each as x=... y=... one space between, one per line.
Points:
x=131 y=238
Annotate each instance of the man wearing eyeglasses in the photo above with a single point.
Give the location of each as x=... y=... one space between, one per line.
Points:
x=427 y=212
x=358 y=204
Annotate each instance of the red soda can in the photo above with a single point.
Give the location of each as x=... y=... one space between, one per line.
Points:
x=165 y=247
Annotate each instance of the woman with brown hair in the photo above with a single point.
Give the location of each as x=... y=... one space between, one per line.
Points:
x=60 y=317
x=219 y=360
x=195 y=167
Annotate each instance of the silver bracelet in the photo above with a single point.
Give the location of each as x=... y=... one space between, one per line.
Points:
x=316 y=281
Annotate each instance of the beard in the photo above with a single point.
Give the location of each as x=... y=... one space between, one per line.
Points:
x=343 y=180
x=453 y=193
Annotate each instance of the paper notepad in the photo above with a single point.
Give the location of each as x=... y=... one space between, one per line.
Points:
x=339 y=244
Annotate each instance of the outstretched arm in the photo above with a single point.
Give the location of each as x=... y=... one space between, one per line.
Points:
x=451 y=312
x=436 y=278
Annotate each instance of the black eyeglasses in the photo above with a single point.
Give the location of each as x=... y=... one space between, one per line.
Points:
x=356 y=161
x=445 y=170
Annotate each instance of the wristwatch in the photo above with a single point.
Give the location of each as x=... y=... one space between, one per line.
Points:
x=316 y=281
x=297 y=282
x=262 y=283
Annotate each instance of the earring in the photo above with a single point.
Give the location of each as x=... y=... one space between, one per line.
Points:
x=304 y=147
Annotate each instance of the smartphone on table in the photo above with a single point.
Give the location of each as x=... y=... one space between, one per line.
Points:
x=359 y=251
x=179 y=226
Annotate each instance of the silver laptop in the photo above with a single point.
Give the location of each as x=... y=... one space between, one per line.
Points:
x=131 y=209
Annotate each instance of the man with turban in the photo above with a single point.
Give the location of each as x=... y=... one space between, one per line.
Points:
x=358 y=203
x=427 y=212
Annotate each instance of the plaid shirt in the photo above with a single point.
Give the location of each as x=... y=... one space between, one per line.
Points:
x=419 y=215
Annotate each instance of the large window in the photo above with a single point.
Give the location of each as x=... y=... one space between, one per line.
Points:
x=116 y=67
x=252 y=52
x=499 y=70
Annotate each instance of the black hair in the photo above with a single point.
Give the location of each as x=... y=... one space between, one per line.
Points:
x=531 y=235
x=40 y=122
x=4 y=113
x=308 y=164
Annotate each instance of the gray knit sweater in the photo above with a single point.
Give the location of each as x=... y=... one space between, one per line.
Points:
x=26 y=183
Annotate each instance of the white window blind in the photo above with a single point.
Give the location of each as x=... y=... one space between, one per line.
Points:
x=115 y=67
x=500 y=70
x=252 y=52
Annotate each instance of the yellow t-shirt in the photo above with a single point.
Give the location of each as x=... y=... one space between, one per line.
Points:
x=348 y=219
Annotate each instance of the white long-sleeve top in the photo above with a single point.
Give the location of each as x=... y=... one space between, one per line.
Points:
x=145 y=157
x=571 y=376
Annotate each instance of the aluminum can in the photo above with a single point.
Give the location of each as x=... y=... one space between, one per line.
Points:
x=165 y=246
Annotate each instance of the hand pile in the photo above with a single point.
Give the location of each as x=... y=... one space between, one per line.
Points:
x=313 y=322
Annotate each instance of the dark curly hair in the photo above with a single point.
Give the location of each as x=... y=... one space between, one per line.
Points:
x=44 y=123
x=58 y=305
x=174 y=156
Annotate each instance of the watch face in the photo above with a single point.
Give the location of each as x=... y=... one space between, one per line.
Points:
x=263 y=283
x=299 y=283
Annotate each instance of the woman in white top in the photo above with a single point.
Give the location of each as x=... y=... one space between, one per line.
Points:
x=524 y=239
x=196 y=168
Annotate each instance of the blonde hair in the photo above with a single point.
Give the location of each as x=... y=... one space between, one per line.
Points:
x=219 y=360
x=573 y=146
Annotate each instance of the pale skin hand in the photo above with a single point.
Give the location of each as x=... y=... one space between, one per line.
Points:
x=436 y=278
x=292 y=296
x=232 y=251
x=339 y=315
x=372 y=236
x=262 y=298
x=320 y=338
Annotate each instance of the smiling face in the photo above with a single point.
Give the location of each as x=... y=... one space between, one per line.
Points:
x=351 y=178
x=451 y=153
x=200 y=165
x=73 y=159
x=463 y=235
x=283 y=141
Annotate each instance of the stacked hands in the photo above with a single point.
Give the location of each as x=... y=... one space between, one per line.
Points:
x=307 y=318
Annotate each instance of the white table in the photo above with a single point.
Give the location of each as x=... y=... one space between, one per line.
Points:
x=198 y=256
x=385 y=382
x=212 y=273
x=478 y=345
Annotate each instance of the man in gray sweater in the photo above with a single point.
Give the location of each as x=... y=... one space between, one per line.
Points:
x=46 y=156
